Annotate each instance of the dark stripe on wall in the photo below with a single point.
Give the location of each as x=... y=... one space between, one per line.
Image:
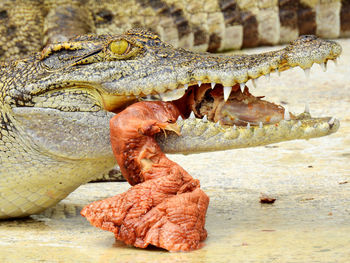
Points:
x=306 y=20
x=345 y=16
x=162 y=8
x=288 y=13
x=250 y=29
x=214 y=42
x=200 y=36
x=233 y=15
x=180 y=21
x=231 y=12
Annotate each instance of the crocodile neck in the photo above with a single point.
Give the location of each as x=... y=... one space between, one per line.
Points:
x=22 y=159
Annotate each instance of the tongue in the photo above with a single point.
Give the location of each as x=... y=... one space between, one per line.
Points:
x=241 y=112
x=239 y=109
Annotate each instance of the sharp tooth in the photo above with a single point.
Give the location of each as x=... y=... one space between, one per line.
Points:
x=242 y=86
x=172 y=94
x=217 y=124
x=335 y=61
x=227 y=92
x=267 y=76
x=248 y=126
x=331 y=121
x=199 y=83
x=192 y=115
x=278 y=72
x=286 y=114
x=205 y=118
x=213 y=85
x=186 y=86
x=179 y=118
x=307 y=108
x=234 y=127
x=307 y=72
x=254 y=81
x=260 y=124
x=324 y=66
x=299 y=123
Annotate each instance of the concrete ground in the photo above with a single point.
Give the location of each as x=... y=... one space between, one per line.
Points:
x=309 y=222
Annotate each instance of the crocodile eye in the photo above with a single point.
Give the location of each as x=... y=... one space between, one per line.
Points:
x=120 y=47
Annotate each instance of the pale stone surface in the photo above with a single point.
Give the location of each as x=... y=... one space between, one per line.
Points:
x=268 y=25
x=233 y=37
x=328 y=19
x=267 y=3
x=288 y=34
x=248 y=4
x=309 y=222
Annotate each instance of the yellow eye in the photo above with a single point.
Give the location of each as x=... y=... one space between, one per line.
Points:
x=120 y=47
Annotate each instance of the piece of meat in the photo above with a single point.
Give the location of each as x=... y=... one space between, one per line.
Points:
x=265 y=199
x=165 y=207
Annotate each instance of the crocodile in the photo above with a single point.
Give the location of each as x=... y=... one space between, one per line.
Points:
x=55 y=107
x=210 y=25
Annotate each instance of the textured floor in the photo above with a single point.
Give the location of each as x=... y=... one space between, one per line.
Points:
x=309 y=222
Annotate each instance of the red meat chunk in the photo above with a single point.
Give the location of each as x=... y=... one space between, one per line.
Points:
x=165 y=207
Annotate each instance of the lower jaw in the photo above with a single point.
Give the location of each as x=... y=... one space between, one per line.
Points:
x=200 y=135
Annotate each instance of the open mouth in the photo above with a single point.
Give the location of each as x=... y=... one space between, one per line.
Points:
x=228 y=106
x=216 y=94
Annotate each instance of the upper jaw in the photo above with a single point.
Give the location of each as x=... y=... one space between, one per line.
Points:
x=170 y=79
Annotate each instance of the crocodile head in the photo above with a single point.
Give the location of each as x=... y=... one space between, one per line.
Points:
x=78 y=85
x=55 y=107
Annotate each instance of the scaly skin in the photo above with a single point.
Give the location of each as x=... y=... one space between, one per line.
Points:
x=208 y=25
x=56 y=105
